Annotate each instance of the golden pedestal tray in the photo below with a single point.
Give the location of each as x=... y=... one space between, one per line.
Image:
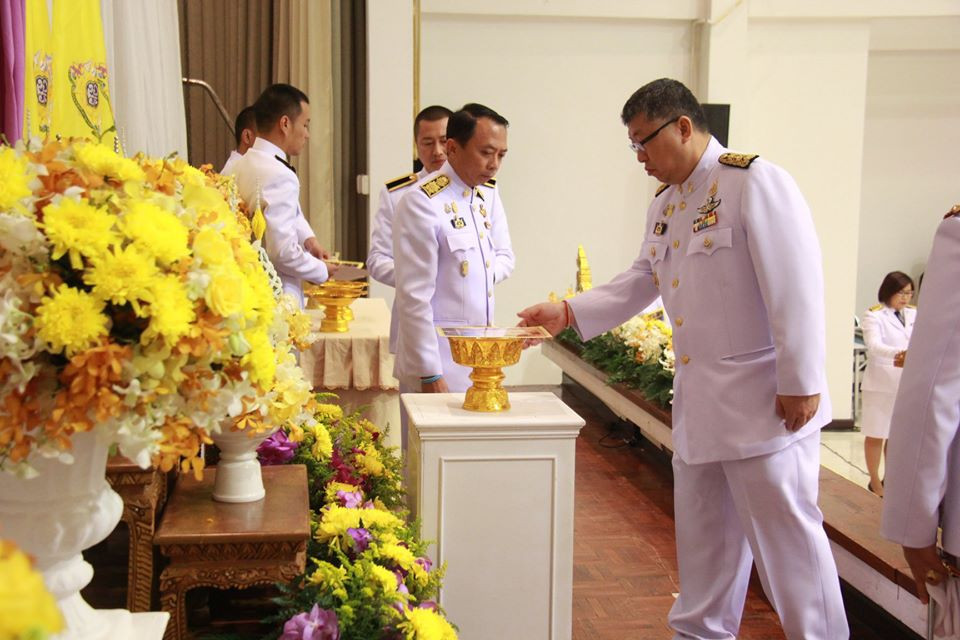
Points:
x=336 y=296
x=487 y=350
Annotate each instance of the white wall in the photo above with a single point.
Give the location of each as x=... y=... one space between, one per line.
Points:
x=568 y=177
x=911 y=167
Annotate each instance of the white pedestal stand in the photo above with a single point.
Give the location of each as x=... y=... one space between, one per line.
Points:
x=55 y=516
x=495 y=492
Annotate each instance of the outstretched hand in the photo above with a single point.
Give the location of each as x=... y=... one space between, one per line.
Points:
x=552 y=316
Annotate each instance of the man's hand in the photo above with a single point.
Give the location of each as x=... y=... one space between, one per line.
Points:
x=313 y=247
x=439 y=386
x=552 y=316
x=926 y=567
x=899 y=359
x=797 y=411
x=332 y=268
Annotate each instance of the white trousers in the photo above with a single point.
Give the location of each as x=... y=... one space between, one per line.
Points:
x=764 y=509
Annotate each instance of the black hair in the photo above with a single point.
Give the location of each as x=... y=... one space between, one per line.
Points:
x=246 y=119
x=276 y=101
x=430 y=114
x=664 y=99
x=892 y=283
x=463 y=123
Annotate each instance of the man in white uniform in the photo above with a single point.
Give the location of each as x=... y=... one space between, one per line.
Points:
x=451 y=245
x=430 y=135
x=923 y=455
x=264 y=175
x=731 y=248
x=245 y=132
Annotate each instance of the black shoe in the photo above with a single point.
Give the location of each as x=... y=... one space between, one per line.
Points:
x=871 y=489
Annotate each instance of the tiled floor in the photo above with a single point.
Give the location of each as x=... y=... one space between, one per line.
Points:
x=842 y=453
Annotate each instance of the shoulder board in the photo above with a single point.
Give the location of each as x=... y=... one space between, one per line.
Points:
x=492 y=182
x=402 y=181
x=739 y=160
x=955 y=211
x=875 y=307
x=435 y=186
x=911 y=306
x=661 y=189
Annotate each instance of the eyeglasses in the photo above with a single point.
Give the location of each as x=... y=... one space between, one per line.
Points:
x=906 y=293
x=637 y=147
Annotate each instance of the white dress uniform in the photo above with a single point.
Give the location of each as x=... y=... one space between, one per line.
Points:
x=923 y=455
x=451 y=245
x=263 y=173
x=229 y=164
x=885 y=336
x=734 y=255
x=380 y=255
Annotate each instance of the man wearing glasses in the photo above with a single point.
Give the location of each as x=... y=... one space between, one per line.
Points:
x=731 y=248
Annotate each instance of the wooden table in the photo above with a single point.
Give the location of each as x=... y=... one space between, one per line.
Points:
x=144 y=492
x=357 y=365
x=224 y=545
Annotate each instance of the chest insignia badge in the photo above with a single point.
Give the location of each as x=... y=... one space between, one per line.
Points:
x=660 y=228
x=705 y=221
x=458 y=223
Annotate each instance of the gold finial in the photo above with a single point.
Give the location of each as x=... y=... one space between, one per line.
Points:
x=584 y=279
x=258 y=223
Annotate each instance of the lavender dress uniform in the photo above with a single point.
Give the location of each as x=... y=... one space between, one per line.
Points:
x=451 y=245
x=262 y=173
x=884 y=336
x=734 y=255
x=923 y=455
x=380 y=255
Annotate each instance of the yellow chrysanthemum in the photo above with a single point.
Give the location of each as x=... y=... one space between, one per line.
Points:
x=211 y=247
x=79 y=229
x=334 y=487
x=261 y=362
x=329 y=412
x=323 y=446
x=225 y=292
x=71 y=320
x=27 y=610
x=14 y=179
x=329 y=577
x=171 y=312
x=190 y=174
x=385 y=579
x=335 y=521
x=156 y=231
x=103 y=160
x=369 y=461
x=396 y=555
x=123 y=276
x=426 y=624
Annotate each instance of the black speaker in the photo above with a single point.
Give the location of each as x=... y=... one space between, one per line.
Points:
x=718 y=119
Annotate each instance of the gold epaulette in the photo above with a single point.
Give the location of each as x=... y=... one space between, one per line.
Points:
x=738 y=160
x=492 y=182
x=955 y=211
x=911 y=306
x=435 y=186
x=402 y=181
x=875 y=307
x=661 y=189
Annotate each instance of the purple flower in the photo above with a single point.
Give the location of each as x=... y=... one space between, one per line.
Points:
x=401 y=585
x=319 y=624
x=425 y=563
x=277 y=449
x=350 y=499
x=361 y=539
x=428 y=604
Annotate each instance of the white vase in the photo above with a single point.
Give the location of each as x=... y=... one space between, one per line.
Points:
x=54 y=516
x=239 y=478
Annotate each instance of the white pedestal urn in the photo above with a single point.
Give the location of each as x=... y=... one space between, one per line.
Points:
x=239 y=477
x=54 y=516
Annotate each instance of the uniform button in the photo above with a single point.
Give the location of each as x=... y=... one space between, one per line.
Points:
x=466 y=192
x=653 y=251
x=683 y=205
x=676 y=244
x=685 y=359
x=481 y=235
x=675 y=283
x=487 y=263
x=708 y=242
x=656 y=281
x=679 y=321
x=489 y=294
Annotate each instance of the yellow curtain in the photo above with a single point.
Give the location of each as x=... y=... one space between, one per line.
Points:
x=71 y=95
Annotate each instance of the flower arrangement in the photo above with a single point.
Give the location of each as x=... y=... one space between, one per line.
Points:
x=27 y=610
x=638 y=354
x=367 y=576
x=135 y=304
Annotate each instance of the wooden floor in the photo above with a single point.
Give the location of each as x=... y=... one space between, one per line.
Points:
x=625 y=564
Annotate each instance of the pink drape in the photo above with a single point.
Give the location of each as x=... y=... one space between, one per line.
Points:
x=12 y=30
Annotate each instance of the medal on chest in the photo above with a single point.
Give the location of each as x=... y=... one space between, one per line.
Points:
x=708 y=210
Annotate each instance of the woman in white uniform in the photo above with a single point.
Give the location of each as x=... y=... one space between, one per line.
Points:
x=886 y=332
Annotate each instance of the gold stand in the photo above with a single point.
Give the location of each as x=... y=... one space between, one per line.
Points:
x=336 y=296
